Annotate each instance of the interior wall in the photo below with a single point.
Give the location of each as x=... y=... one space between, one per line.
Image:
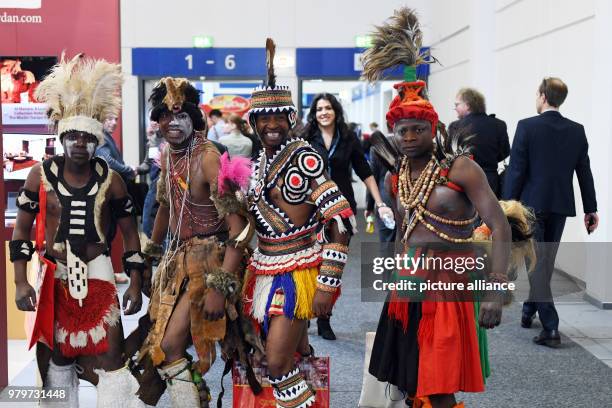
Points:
x=520 y=42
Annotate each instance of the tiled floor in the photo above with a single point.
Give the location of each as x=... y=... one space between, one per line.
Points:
x=588 y=326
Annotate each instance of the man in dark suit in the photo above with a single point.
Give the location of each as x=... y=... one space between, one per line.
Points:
x=546 y=151
x=491 y=143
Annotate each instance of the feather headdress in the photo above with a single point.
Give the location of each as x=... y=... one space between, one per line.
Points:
x=81 y=93
x=397 y=42
x=270 y=97
x=176 y=95
x=270 y=52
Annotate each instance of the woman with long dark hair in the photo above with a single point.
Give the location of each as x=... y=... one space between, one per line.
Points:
x=329 y=134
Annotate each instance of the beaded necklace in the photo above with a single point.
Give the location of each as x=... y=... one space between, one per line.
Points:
x=414 y=195
x=179 y=162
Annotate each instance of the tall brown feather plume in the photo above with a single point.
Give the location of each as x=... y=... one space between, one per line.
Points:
x=397 y=42
x=270 y=51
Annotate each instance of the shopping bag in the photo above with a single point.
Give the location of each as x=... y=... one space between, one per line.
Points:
x=39 y=324
x=374 y=393
x=314 y=369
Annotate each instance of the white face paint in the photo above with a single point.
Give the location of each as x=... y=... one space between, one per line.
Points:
x=178 y=129
x=69 y=146
x=91 y=149
x=70 y=142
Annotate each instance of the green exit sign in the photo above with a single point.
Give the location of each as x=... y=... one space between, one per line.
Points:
x=203 y=41
x=363 y=41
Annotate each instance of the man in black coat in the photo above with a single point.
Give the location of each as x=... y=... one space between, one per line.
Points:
x=491 y=143
x=546 y=151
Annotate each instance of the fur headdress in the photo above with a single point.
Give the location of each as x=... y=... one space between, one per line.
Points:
x=269 y=97
x=177 y=95
x=398 y=42
x=81 y=93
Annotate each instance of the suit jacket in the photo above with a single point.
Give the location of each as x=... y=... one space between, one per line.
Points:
x=490 y=143
x=546 y=151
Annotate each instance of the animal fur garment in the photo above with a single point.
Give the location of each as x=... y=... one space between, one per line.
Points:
x=397 y=42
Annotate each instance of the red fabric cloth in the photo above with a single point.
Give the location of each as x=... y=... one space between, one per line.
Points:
x=39 y=324
x=449 y=355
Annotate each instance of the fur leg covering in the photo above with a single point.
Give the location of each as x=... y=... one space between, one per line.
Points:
x=291 y=390
x=64 y=377
x=183 y=392
x=117 y=389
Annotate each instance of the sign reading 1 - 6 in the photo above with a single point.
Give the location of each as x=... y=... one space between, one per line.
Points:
x=196 y=62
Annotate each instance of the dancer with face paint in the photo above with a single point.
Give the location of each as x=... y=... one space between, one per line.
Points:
x=73 y=196
x=203 y=217
x=293 y=277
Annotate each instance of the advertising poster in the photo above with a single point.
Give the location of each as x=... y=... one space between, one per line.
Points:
x=19 y=78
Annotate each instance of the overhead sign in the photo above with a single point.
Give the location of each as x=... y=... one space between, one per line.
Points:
x=340 y=63
x=196 y=62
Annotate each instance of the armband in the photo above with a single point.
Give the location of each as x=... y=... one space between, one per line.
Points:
x=133 y=260
x=122 y=207
x=153 y=250
x=243 y=239
x=230 y=203
x=21 y=249
x=224 y=282
x=28 y=201
x=331 y=205
x=334 y=258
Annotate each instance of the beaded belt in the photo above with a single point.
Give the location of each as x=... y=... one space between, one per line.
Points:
x=287 y=245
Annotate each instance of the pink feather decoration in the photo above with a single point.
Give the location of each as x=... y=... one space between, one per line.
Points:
x=236 y=171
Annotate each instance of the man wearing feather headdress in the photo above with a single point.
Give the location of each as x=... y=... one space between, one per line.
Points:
x=204 y=220
x=429 y=349
x=293 y=276
x=77 y=202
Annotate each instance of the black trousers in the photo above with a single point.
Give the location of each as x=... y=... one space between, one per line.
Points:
x=548 y=231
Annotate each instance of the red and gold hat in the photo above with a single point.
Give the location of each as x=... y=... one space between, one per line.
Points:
x=409 y=103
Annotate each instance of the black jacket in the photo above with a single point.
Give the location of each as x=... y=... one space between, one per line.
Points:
x=347 y=155
x=546 y=151
x=491 y=143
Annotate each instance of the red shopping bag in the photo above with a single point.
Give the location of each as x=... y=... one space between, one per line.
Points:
x=39 y=324
x=314 y=369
